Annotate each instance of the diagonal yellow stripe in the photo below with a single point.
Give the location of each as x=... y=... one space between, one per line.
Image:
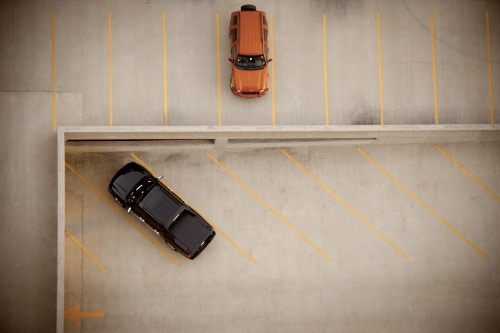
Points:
x=345 y=204
x=269 y=207
x=467 y=173
x=422 y=203
x=233 y=243
x=217 y=229
x=87 y=251
x=119 y=210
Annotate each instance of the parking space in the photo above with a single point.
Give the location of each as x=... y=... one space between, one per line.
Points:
x=299 y=23
x=292 y=243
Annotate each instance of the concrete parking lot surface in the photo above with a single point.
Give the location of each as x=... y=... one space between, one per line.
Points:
x=335 y=238
x=348 y=246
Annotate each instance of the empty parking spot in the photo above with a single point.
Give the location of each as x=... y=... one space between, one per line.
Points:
x=325 y=72
x=490 y=69
x=268 y=206
x=54 y=82
x=217 y=229
x=217 y=33
x=467 y=173
x=422 y=203
x=345 y=204
x=380 y=81
x=273 y=100
x=110 y=70
x=434 y=71
x=84 y=249
x=165 y=100
x=119 y=210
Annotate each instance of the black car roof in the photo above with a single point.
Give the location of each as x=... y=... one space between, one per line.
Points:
x=160 y=205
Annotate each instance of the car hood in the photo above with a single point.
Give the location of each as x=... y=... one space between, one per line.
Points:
x=246 y=80
x=126 y=180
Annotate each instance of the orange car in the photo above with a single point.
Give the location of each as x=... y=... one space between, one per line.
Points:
x=249 y=52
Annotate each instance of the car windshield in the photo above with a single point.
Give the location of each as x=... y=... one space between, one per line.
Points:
x=250 y=62
x=141 y=189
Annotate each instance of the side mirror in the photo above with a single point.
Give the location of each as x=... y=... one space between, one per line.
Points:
x=159 y=177
x=230 y=59
x=270 y=60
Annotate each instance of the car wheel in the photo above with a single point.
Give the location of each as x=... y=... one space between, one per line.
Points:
x=248 y=8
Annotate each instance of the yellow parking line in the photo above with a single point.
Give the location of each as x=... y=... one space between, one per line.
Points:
x=345 y=204
x=490 y=70
x=422 y=203
x=120 y=211
x=217 y=229
x=273 y=98
x=269 y=207
x=54 y=82
x=380 y=81
x=165 y=105
x=325 y=72
x=434 y=71
x=219 y=112
x=151 y=171
x=233 y=243
x=467 y=172
x=93 y=257
x=110 y=70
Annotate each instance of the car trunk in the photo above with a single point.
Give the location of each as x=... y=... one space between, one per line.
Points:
x=189 y=231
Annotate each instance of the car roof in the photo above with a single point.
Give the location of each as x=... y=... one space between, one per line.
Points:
x=250 y=33
x=159 y=204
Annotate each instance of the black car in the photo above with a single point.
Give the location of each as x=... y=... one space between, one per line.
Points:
x=184 y=230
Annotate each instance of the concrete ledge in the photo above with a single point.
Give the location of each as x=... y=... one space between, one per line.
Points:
x=81 y=139
x=100 y=139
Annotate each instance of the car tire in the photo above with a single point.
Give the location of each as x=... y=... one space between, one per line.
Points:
x=248 y=8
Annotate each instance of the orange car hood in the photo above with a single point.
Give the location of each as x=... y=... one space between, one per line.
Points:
x=250 y=80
